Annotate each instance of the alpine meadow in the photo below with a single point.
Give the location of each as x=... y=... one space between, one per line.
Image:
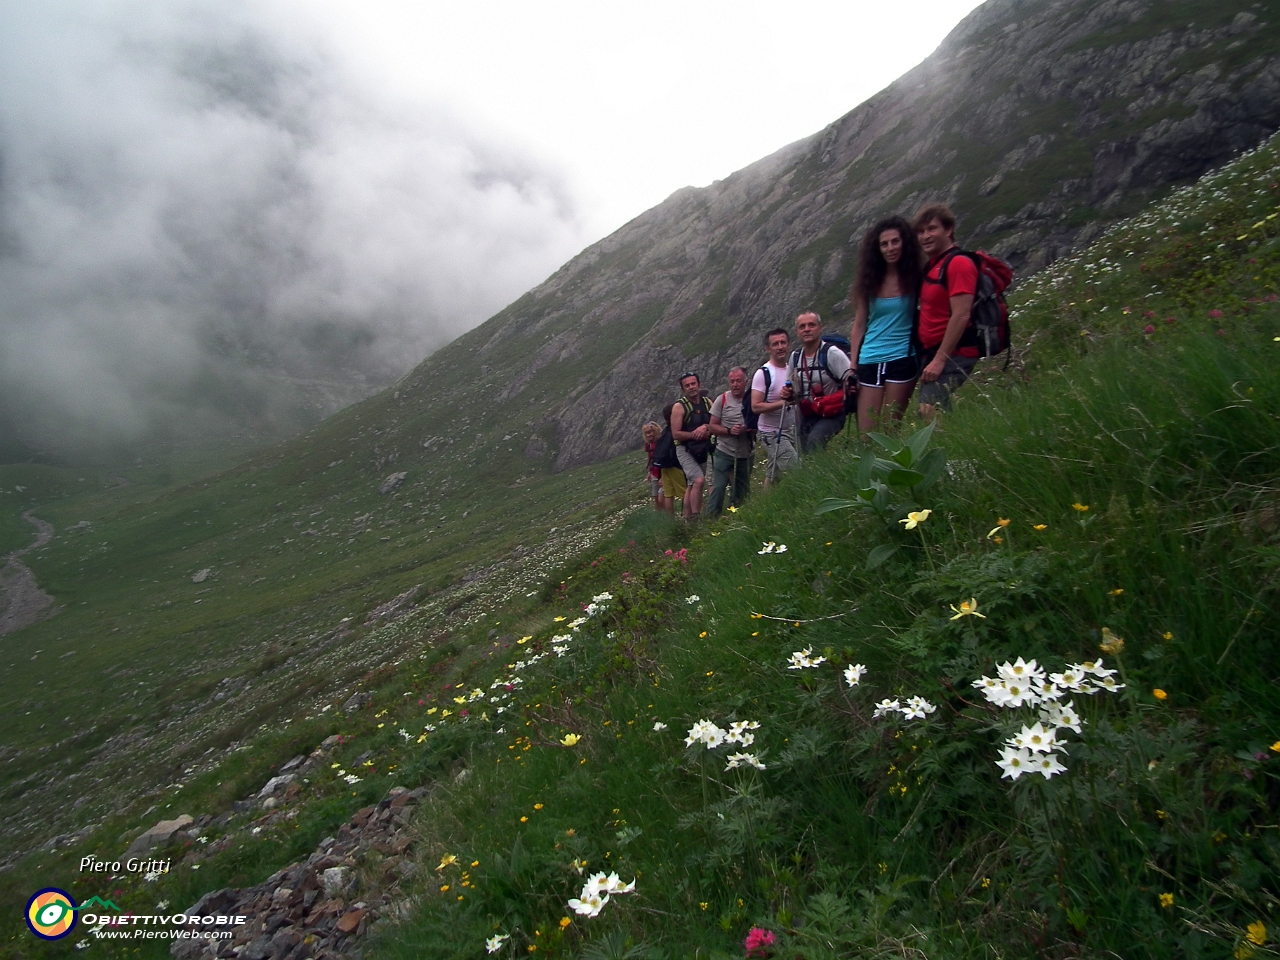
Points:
x=1002 y=685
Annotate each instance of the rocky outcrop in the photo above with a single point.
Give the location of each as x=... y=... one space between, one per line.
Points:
x=1040 y=121
x=322 y=907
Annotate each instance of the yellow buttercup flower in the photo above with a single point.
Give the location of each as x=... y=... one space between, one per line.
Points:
x=1039 y=526
x=1118 y=591
x=1166 y=900
x=564 y=922
x=1167 y=635
x=1257 y=933
x=915 y=518
x=447 y=860
x=1080 y=507
x=559 y=619
x=1159 y=694
x=967 y=608
x=570 y=739
x=1275 y=747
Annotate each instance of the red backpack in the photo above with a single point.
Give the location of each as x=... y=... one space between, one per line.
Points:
x=988 y=328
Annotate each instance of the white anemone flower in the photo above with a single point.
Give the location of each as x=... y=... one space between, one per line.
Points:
x=802 y=659
x=1047 y=765
x=1017 y=694
x=991 y=688
x=766 y=548
x=1035 y=738
x=692 y=599
x=1108 y=684
x=918 y=708
x=1072 y=678
x=494 y=943
x=1094 y=668
x=589 y=906
x=614 y=885
x=659 y=726
x=854 y=673
x=1061 y=715
x=743 y=760
x=1021 y=671
x=886 y=707
x=1014 y=763
x=739 y=732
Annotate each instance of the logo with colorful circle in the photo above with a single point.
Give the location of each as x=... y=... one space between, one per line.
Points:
x=51 y=913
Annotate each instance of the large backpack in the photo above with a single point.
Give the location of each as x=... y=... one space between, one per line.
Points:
x=698 y=449
x=664 y=451
x=988 y=328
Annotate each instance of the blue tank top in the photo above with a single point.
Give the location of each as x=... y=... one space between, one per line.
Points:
x=888 y=335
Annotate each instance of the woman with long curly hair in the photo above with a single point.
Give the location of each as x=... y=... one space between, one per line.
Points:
x=884 y=296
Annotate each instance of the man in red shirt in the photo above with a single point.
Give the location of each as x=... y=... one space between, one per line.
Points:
x=946 y=299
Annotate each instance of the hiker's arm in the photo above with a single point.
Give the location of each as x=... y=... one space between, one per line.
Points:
x=677 y=424
x=760 y=405
x=720 y=430
x=961 y=306
x=857 y=333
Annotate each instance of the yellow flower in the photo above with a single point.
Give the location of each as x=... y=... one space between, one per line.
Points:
x=1167 y=635
x=1080 y=507
x=1116 y=592
x=757 y=616
x=559 y=619
x=704 y=904
x=537 y=806
x=1003 y=523
x=915 y=518
x=1275 y=747
x=564 y=922
x=524 y=819
x=447 y=860
x=702 y=635
x=524 y=639
x=967 y=608
x=1111 y=643
x=475 y=863
x=570 y=739
x=445 y=888
x=1166 y=900
x=1257 y=933
x=1039 y=526
x=733 y=509
x=986 y=883
x=1159 y=694
x=999 y=540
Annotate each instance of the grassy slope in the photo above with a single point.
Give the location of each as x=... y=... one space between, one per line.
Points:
x=870 y=835
x=864 y=834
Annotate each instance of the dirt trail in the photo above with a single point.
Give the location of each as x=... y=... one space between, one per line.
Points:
x=22 y=602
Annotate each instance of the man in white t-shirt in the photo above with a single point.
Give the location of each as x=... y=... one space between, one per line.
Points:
x=770 y=396
x=818 y=372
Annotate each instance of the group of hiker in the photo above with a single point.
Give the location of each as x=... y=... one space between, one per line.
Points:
x=924 y=311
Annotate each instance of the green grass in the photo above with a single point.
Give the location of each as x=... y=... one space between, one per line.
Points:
x=869 y=836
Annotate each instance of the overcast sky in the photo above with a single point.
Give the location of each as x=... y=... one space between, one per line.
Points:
x=204 y=203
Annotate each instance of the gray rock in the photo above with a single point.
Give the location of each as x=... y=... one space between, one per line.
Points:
x=335 y=880
x=157 y=835
x=392 y=482
x=276 y=784
x=200 y=576
x=358 y=701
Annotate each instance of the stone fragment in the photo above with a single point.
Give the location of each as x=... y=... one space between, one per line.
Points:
x=335 y=880
x=157 y=835
x=392 y=482
x=350 y=920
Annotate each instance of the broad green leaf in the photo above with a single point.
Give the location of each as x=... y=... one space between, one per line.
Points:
x=880 y=554
x=889 y=443
x=904 y=457
x=866 y=467
x=932 y=467
x=885 y=466
x=918 y=442
x=904 y=478
x=868 y=493
x=831 y=503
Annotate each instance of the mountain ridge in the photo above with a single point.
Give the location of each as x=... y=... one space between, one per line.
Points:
x=1040 y=123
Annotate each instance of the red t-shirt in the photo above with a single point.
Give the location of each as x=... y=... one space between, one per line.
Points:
x=935 y=299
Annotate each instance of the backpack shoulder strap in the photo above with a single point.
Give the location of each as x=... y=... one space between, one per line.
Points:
x=946 y=260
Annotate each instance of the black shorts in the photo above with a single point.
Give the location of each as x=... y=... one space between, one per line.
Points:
x=876 y=375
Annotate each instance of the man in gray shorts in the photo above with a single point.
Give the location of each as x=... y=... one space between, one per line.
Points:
x=691 y=428
x=732 y=458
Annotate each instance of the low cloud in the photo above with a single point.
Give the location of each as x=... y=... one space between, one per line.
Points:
x=207 y=225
